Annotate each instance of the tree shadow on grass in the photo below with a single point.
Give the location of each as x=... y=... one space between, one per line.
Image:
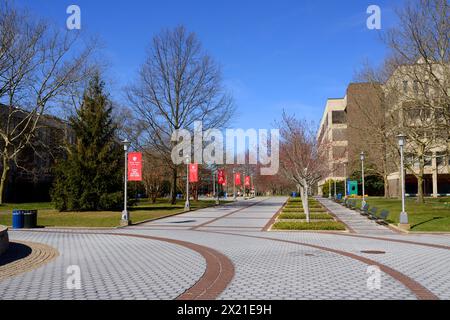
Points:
x=426 y=221
x=168 y=208
x=16 y=251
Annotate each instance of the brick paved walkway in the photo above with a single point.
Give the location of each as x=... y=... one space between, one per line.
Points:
x=254 y=264
x=355 y=220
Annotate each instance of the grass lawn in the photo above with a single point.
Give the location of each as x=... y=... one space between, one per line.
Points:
x=144 y=210
x=434 y=215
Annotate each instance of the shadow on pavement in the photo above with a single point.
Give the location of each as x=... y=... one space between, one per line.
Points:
x=16 y=251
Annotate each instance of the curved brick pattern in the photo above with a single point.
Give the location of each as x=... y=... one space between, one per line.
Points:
x=112 y=267
x=288 y=265
x=426 y=265
x=22 y=257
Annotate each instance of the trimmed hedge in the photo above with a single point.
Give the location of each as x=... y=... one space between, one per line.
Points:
x=302 y=216
x=300 y=210
x=318 y=225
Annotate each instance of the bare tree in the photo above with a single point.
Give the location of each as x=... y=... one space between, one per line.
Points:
x=155 y=173
x=177 y=85
x=38 y=65
x=420 y=83
x=372 y=122
x=301 y=159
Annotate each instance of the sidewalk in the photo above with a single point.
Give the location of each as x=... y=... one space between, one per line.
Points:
x=355 y=220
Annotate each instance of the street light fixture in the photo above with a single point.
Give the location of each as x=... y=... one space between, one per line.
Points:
x=234 y=184
x=403 y=214
x=329 y=188
x=363 y=157
x=345 y=182
x=125 y=214
x=187 y=205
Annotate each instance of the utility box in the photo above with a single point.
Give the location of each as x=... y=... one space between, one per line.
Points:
x=352 y=188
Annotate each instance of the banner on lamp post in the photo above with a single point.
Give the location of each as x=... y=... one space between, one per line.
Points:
x=135 y=166
x=193 y=172
x=221 y=177
x=247 y=181
x=237 y=179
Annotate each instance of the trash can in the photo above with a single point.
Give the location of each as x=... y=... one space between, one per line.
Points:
x=17 y=219
x=30 y=219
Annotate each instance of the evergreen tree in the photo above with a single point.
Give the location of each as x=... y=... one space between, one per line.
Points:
x=91 y=176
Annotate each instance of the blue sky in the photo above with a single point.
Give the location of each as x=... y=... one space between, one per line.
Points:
x=275 y=55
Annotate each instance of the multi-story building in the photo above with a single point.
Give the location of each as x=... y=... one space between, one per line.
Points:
x=418 y=105
x=344 y=130
x=31 y=173
x=369 y=119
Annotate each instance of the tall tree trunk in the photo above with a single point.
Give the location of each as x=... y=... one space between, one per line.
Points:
x=386 y=187
x=4 y=178
x=173 y=191
x=420 y=195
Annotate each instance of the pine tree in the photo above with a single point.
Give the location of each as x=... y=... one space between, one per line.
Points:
x=90 y=178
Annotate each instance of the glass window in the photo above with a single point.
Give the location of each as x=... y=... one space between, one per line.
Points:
x=405 y=86
x=339 y=117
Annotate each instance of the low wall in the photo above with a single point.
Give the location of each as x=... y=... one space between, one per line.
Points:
x=4 y=240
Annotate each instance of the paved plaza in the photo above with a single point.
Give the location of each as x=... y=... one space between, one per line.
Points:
x=224 y=253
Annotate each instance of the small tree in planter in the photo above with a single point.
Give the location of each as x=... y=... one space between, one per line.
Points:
x=300 y=157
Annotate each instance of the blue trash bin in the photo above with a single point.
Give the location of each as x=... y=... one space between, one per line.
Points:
x=17 y=219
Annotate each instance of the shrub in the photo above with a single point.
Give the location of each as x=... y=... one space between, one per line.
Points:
x=302 y=216
x=318 y=225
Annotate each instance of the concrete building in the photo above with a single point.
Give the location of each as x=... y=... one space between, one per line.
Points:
x=31 y=173
x=345 y=130
x=414 y=107
x=352 y=124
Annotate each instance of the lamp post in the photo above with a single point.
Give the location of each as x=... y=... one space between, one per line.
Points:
x=329 y=188
x=345 y=182
x=403 y=215
x=187 y=205
x=218 y=189
x=363 y=203
x=234 y=185
x=125 y=214
x=335 y=195
x=214 y=183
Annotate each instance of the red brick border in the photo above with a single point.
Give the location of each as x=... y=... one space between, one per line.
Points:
x=217 y=276
x=420 y=291
x=431 y=245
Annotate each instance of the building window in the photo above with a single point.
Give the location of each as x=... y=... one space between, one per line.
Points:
x=428 y=158
x=416 y=87
x=339 y=117
x=405 y=86
x=440 y=158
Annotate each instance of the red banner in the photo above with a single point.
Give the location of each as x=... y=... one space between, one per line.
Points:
x=135 y=166
x=221 y=176
x=193 y=172
x=247 y=181
x=237 y=179
x=224 y=181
